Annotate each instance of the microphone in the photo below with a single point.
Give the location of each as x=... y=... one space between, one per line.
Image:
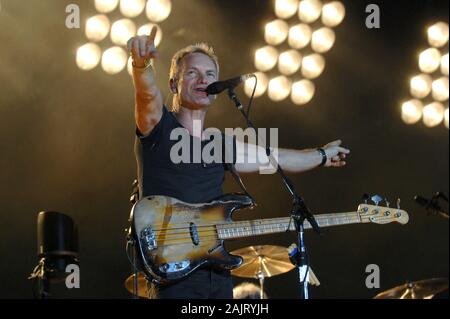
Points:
x=220 y=86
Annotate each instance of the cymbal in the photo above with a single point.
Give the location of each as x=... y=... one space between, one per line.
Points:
x=424 y=289
x=142 y=285
x=266 y=261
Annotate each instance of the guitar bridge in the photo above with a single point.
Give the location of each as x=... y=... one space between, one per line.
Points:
x=148 y=238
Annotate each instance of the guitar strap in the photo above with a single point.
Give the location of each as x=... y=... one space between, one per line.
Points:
x=239 y=181
x=230 y=159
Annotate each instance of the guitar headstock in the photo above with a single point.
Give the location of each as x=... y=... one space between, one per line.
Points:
x=382 y=215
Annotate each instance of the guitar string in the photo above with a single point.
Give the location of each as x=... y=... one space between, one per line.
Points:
x=273 y=220
x=172 y=236
x=318 y=217
x=242 y=233
x=234 y=225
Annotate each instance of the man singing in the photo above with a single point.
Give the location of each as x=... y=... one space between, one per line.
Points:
x=192 y=70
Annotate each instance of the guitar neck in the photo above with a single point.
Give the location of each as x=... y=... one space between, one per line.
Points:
x=278 y=225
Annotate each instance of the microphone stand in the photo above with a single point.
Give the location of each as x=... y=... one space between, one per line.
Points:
x=299 y=212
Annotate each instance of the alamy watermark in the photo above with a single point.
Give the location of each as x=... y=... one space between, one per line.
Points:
x=73 y=17
x=373 y=19
x=250 y=148
x=373 y=279
x=73 y=277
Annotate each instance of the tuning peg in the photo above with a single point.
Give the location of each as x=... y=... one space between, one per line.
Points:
x=365 y=198
x=376 y=199
x=398 y=203
x=387 y=202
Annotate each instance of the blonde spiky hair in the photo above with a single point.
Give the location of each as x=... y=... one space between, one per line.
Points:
x=203 y=48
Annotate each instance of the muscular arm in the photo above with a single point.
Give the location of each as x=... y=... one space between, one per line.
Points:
x=251 y=158
x=148 y=98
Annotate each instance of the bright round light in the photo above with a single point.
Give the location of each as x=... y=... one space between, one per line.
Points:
x=130 y=66
x=266 y=58
x=285 y=9
x=88 y=56
x=122 y=30
x=412 y=111
x=302 y=92
x=433 y=114
x=158 y=10
x=309 y=10
x=276 y=32
x=440 y=89
x=114 y=60
x=261 y=88
x=289 y=62
x=438 y=34
x=446 y=118
x=313 y=66
x=429 y=60
x=323 y=40
x=147 y=28
x=105 y=6
x=420 y=86
x=333 y=14
x=132 y=8
x=444 y=64
x=279 y=88
x=97 y=27
x=299 y=36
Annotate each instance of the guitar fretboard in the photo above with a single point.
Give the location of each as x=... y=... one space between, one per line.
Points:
x=278 y=225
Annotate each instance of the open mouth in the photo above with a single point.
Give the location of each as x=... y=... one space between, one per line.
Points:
x=201 y=91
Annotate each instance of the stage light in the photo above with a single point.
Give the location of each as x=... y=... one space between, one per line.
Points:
x=158 y=10
x=285 y=9
x=276 y=32
x=440 y=89
x=309 y=10
x=323 y=40
x=97 y=27
x=122 y=30
x=105 y=6
x=279 y=88
x=446 y=117
x=261 y=88
x=302 y=92
x=289 y=62
x=88 y=56
x=132 y=8
x=444 y=64
x=438 y=34
x=266 y=58
x=313 y=66
x=147 y=28
x=299 y=36
x=429 y=60
x=114 y=60
x=333 y=14
x=433 y=114
x=412 y=111
x=420 y=85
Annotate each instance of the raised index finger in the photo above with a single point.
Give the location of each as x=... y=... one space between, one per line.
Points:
x=152 y=35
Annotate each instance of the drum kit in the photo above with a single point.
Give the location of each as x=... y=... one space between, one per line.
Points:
x=261 y=262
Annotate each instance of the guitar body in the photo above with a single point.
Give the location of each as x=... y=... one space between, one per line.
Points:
x=175 y=238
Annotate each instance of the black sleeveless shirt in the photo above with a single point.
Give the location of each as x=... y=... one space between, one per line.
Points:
x=188 y=182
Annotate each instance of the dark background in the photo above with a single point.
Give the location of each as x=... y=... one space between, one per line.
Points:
x=66 y=143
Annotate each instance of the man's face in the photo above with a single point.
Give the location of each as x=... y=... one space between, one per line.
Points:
x=197 y=72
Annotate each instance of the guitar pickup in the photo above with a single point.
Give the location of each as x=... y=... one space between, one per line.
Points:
x=174 y=267
x=148 y=238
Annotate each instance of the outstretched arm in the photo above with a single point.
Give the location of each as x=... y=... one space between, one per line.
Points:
x=251 y=158
x=148 y=99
